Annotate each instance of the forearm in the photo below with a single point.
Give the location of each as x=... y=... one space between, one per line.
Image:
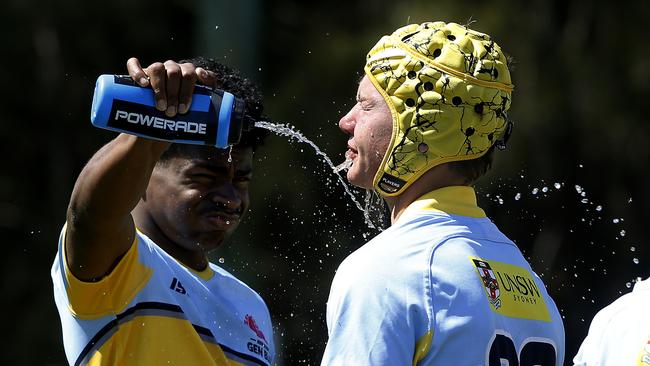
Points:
x=114 y=180
x=100 y=227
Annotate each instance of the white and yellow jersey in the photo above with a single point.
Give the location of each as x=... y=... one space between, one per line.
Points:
x=619 y=334
x=152 y=310
x=442 y=286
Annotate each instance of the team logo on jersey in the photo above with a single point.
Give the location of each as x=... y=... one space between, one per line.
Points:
x=256 y=345
x=248 y=320
x=489 y=281
x=512 y=290
x=176 y=286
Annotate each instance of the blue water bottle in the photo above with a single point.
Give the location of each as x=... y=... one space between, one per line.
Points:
x=215 y=117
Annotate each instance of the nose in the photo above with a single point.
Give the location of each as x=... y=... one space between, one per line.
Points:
x=228 y=196
x=347 y=123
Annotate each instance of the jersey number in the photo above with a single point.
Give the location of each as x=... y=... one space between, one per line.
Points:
x=533 y=353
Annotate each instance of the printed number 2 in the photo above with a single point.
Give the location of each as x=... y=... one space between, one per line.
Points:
x=533 y=353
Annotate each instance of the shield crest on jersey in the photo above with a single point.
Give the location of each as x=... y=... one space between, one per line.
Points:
x=489 y=282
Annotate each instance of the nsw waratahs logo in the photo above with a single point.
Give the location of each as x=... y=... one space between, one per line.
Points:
x=489 y=281
x=251 y=324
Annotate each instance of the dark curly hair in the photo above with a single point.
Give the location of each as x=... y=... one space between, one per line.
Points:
x=232 y=81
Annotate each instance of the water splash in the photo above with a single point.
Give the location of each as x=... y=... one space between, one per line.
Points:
x=347 y=164
x=593 y=212
x=287 y=130
x=375 y=205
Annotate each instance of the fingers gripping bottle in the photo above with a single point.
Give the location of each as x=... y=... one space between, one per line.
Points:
x=215 y=117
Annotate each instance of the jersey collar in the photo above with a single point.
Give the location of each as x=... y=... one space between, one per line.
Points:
x=454 y=200
x=206 y=274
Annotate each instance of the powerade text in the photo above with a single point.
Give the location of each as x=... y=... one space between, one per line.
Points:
x=161 y=123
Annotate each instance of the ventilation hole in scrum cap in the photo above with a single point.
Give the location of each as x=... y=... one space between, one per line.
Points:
x=410 y=102
x=423 y=147
x=411 y=74
x=456 y=100
x=469 y=131
x=451 y=37
x=428 y=86
x=437 y=52
x=479 y=108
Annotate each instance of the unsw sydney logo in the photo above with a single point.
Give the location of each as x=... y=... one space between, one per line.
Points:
x=511 y=290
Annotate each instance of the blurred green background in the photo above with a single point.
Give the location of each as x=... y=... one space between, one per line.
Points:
x=570 y=189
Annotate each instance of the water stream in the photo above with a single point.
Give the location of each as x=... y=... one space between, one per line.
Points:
x=287 y=130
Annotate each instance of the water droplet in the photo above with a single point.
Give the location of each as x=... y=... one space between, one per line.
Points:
x=635 y=260
x=545 y=189
x=622 y=232
x=616 y=221
x=535 y=190
x=578 y=189
x=557 y=185
x=628 y=284
x=599 y=208
x=517 y=196
x=584 y=200
x=632 y=249
x=222 y=260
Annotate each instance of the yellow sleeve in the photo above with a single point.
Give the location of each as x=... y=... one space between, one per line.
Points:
x=110 y=295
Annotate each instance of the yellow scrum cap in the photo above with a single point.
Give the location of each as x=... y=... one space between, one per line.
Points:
x=448 y=88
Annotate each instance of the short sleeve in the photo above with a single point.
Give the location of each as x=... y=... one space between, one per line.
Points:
x=90 y=300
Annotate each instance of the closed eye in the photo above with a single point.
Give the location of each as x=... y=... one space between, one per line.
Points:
x=365 y=105
x=202 y=175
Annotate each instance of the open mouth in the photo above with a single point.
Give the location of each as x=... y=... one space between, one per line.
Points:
x=351 y=153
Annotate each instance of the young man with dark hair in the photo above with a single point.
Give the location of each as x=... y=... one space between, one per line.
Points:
x=132 y=280
x=442 y=285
